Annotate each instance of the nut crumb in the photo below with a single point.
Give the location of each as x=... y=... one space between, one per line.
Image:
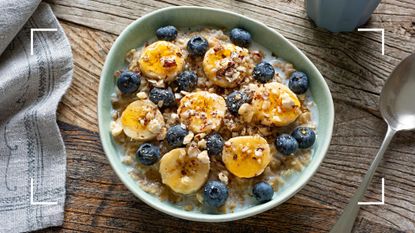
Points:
x=116 y=128
x=188 y=138
x=141 y=95
x=223 y=177
x=203 y=157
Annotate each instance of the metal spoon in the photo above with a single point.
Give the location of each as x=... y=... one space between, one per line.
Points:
x=397 y=106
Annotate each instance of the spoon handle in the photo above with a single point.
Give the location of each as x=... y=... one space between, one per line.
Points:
x=345 y=223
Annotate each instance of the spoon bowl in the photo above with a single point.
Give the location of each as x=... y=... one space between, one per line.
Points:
x=397 y=99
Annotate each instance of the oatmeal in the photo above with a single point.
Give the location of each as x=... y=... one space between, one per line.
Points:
x=211 y=121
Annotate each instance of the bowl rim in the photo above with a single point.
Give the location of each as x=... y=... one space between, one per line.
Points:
x=202 y=217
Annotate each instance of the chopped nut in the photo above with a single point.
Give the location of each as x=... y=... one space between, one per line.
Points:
x=149 y=115
x=245 y=149
x=116 y=128
x=203 y=157
x=185 y=114
x=199 y=197
x=160 y=103
x=162 y=135
x=266 y=105
x=228 y=143
x=202 y=144
x=200 y=136
x=188 y=138
x=258 y=152
x=246 y=112
x=286 y=101
x=223 y=177
x=184 y=92
x=154 y=126
x=127 y=160
x=174 y=116
x=193 y=150
x=141 y=95
x=304 y=118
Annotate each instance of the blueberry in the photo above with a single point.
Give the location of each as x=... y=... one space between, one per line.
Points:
x=215 y=193
x=197 y=46
x=235 y=100
x=187 y=81
x=168 y=33
x=148 y=154
x=304 y=136
x=263 y=192
x=175 y=135
x=240 y=37
x=286 y=144
x=298 y=82
x=263 y=72
x=214 y=144
x=165 y=95
x=128 y=82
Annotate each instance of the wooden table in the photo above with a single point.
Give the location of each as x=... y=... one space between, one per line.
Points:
x=352 y=65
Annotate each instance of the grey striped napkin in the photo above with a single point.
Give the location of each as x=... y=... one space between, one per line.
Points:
x=32 y=153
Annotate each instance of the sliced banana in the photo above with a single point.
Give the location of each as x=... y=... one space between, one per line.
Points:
x=224 y=65
x=142 y=120
x=246 y=156
x=161 y=60
x=202 y=111
x=275 y=104
x=183 y=173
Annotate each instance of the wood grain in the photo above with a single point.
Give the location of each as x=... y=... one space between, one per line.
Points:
x=353 y=67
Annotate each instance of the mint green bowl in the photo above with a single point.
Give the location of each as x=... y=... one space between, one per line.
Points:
x=143 y=29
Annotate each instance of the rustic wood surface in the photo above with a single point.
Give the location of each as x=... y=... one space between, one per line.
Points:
x=352 y=65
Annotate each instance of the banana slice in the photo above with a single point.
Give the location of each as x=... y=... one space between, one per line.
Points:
x=246 y=156
x=142 y=120
x=275 y=104
x=183 y=173
x=202 y=111
x=161 y=60
x=225 y=65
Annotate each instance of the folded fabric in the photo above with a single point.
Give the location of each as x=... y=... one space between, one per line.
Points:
x=32 y=153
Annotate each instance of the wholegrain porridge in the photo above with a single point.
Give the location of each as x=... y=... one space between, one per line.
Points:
x=211 y=121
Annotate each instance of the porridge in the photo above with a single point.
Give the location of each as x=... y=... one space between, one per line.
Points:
x=211 y=121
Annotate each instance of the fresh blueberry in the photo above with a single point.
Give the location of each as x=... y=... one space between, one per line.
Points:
x=128 y=82
x=168 y=33
x=286 y=144
x=298 y=82
x=197 y=46
x=148 y=154
x=187 y=81
x=164 y=95
x=175 y=135
x=215 y=193
x=304 y=136
x=263 y=72
x=240 y=37
x=235 y=100
x=214 y=144
x=263 y=192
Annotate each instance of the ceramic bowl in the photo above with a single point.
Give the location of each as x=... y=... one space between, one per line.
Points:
x=143 y=29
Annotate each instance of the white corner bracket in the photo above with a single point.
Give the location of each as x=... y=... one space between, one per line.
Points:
x=375 y=30
x=32 y=202
x=38 y=30
x=376 y=203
